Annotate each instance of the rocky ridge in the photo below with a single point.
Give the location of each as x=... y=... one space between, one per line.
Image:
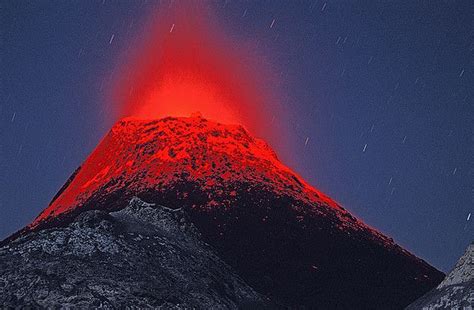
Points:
x=144 y=255
x=456 y=291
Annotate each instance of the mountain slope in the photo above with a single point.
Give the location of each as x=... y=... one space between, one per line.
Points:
x=145 y=156
x=143 y=255
x=288 y=240
x=456 y=291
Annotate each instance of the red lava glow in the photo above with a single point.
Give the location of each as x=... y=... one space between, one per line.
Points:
x=138 y=156
x=185 y=65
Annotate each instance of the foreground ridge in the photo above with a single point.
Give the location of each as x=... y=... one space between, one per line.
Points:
x=143 y=255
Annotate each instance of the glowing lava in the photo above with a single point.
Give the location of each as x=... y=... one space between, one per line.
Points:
x=138 y=157
x=185 y=65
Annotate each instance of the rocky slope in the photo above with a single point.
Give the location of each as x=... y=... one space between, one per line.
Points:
x=456 y=291
x=285 y=238
x=143 y=255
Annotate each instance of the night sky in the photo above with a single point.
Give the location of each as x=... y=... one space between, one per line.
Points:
x=379 y=97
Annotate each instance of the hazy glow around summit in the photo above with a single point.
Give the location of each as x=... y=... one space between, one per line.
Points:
x=186 y=65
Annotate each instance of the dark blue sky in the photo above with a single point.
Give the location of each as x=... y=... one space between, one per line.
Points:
x=380 y=94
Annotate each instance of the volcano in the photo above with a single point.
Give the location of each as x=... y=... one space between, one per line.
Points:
x=286 y=239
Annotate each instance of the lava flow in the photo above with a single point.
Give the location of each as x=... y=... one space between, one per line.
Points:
x=141 y=157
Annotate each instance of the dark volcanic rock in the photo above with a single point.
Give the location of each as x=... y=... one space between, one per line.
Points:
x=457 y=289
x=142 y=255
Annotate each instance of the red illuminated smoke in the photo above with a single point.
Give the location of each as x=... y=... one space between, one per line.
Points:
x=185 y=65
